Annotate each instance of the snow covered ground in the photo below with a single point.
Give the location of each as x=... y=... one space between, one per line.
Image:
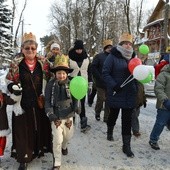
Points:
x=92 y=151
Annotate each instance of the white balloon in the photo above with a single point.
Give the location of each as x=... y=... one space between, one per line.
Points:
x=152 y=70
x=141 y=72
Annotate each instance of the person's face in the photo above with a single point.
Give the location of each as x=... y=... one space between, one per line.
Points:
x=127 y=45
x=108 y=49
x=79 y=51
x=61 y=75
x=29 y=50
x=55 y=50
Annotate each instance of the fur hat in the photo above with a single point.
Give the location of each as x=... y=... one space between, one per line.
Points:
x=126 y=37
x=61 y=63
x=55 y=45
x=78 y=44
x=28 y=37
x=107 y=43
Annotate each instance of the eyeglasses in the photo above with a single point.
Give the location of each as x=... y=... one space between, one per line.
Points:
x=29 y=48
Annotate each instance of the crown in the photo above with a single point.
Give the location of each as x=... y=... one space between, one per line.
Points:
x=62 y=60
x=126 y=37
x=107 y=42
x=28 y=37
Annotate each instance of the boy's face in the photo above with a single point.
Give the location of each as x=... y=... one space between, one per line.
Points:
x=61 y=75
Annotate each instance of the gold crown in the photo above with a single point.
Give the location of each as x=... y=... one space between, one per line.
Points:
x=107 y=42
x=28 y=37
x=126 y=37
x=62 y=60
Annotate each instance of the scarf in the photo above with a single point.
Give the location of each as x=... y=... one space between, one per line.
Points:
x=127 y=54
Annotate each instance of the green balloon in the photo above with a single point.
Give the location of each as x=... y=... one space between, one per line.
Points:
x=78 y=87
x=147 y=79
x=144 y=49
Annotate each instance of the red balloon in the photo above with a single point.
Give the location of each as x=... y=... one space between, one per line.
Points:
x=133 y=63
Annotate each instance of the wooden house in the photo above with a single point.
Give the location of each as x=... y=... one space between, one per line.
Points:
x=153 y=34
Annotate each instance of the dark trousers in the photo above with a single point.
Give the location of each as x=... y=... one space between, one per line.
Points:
x=83 y=111
x=125 y=119
x=101 y=98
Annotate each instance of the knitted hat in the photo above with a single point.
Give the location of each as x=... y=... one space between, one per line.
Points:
x=61 y=63
x=78 y=44
x=55 y=45
x=126 y=37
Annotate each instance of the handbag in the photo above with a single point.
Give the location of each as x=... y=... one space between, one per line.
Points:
x=40 y=99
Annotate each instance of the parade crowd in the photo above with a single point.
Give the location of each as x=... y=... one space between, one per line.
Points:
x=44 y=108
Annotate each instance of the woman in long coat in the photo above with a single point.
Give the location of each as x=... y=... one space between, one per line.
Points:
x=31 y=130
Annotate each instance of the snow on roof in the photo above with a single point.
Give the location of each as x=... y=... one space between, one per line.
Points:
x=154 y=22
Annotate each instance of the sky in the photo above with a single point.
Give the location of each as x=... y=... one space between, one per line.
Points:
x=36 y=16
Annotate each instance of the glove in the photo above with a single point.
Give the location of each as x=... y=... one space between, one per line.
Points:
x=90 y=87
x=117 y=88
x=166 y=104
x=17 y=89
x=57 y=123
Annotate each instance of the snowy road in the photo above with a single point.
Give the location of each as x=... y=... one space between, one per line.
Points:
x=92 y=151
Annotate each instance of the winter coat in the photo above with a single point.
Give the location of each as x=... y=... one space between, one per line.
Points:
x=162 y=86
x=115 y=72
x=97 y=66
x=32 y=128
x=58 y=101
x=4 y=126
x=78 y=62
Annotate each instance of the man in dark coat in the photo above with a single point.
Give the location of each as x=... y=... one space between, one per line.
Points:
x=97 y=66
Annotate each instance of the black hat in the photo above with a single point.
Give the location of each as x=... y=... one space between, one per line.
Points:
x=61 y=63
x=78 y=44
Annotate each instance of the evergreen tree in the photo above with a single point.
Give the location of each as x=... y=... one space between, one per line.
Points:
x=6 y=50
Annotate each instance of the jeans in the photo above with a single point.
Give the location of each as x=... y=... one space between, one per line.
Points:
x=163 y=116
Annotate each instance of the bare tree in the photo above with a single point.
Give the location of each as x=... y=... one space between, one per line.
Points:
x=19 y=21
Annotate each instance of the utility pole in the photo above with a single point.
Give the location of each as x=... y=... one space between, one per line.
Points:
x=166 y=23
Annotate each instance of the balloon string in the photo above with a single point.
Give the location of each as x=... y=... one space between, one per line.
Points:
x=127 y=80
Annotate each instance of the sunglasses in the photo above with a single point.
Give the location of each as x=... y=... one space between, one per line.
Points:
x=29 y=48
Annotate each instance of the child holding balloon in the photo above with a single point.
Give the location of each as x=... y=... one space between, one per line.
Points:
x=60 y=109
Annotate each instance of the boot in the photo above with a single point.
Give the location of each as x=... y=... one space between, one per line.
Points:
x=2 y=145
x=84 y=126
x=126 y=146
x=110 y=133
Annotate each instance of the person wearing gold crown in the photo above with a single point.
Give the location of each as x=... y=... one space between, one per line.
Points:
x=115 y=72
x=60 y=109
x=31 y=130
x=97 y=66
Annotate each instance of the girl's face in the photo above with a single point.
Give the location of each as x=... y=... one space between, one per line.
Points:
x=61 y=75
x=55 y=51
x=127 y=45
x=79 y=51
x=29 y=50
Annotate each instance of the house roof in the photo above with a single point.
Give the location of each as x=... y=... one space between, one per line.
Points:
x=158 y=8
x=153 y=23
